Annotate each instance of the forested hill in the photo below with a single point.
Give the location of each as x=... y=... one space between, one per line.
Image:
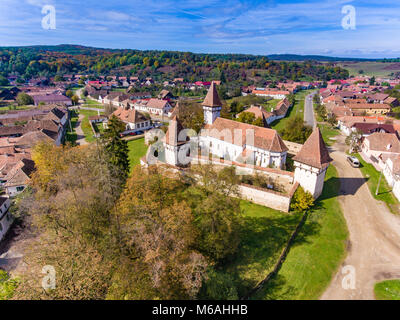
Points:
x=28 y=62
x=296 y=57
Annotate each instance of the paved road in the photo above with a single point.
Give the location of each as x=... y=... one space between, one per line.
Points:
x=374 y=244
x=309 y=111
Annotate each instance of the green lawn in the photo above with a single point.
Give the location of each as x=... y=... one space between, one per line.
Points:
x=86 y=128
x=296 y=110
x=387 y=290
x=385 y=191
x=7 y=108
x=317 y=252
x=90 y=103
x=328 y=132
x=71 y=136
x=264 y=234
x=137 y=149
x=271 y=104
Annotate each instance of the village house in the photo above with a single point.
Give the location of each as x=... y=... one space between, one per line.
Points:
x=140 y=95
x=260 y=112
x=369 y=108
x=279 y=112
x=6 y=218
x=19 y=177
x=134 y=120
x=165 y=95
x=391 y=171
x=379 y=144
x=154 y=106
x=52 y=99
x=275 y=94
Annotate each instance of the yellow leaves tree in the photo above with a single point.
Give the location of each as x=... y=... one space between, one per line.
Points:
x=156 y=227
x=302 y=200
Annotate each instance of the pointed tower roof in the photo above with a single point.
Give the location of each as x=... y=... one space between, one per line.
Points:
x=314 y=152
x=212 y=98
x=174 y=128
x=176 y=110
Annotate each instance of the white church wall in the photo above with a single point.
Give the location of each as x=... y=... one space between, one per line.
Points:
x=266 y=198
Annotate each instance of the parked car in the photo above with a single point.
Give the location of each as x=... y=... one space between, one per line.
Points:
x=353 y=162
x=139 y=132
x=132 y=133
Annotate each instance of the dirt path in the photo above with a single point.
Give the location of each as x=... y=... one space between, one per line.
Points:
x=80 y=140
x=374 y=243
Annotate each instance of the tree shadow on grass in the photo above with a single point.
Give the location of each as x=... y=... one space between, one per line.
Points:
x=262 y=242
x=277 y=289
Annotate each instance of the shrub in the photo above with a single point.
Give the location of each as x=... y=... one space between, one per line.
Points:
x=302 y=200
x=7 y=286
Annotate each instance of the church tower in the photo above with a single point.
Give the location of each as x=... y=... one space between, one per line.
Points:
x=212 y=105
x=311 y=164
x=172 y=145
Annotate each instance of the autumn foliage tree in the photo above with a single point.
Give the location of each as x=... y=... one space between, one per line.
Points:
x=214 y=199
x=159 y=238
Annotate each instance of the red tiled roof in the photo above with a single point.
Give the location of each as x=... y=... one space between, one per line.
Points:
x=212 y=98
x=264 y=138
x=314 y=152
x=172 y=134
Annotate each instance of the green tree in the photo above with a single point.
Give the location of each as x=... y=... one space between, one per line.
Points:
x=75 y=99
x=247 y=117
x=302 y=200
x=58 y=78
x=296 y=130
x=259 y=122
x=3 y=81
x=214 y=199
x=372 y=81
x=218 y=286
x=116 y=148
x=24 y=99
x=69 y=94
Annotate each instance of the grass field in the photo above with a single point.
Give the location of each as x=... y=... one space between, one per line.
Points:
x=296 y=110
x=317 y=252
x=271 y=104
x=385 y=191
x=8 y=108
x=90 y=103
x=85 y=125
x=328 y=132
x=71 y=136
x=264 y=234
x=387 y=290
x=371 y=68
x=137 y=149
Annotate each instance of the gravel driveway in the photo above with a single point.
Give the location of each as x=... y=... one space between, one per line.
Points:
x=374 y=243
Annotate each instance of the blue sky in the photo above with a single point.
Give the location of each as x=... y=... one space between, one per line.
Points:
x=210 y=26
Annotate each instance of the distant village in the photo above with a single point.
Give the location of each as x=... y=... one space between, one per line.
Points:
x=358 y=105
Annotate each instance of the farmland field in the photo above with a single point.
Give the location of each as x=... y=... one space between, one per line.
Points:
x=371 y=68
